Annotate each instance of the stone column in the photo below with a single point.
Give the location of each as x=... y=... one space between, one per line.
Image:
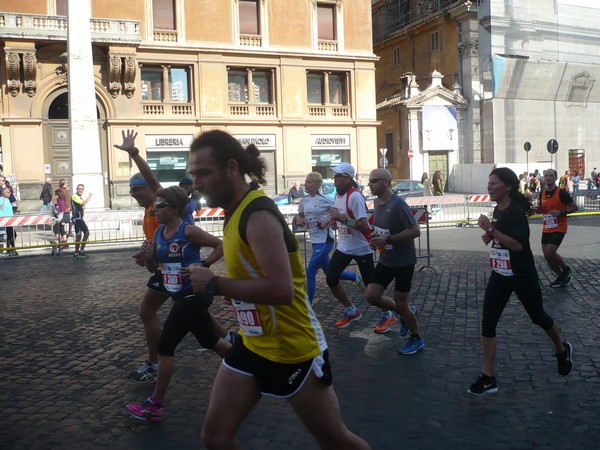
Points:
x=85 y=140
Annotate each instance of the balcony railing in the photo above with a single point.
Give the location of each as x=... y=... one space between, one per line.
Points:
x=252 y=110
x=329 y=111
x=250 y=40
x=168 y=109
x=44 y=27
x=165 y=35
x=328 y=46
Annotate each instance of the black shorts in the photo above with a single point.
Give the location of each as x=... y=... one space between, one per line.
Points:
x=383 y=276
x=189 y=314
x=154 y=283
x=552 y=238
x=277 y=379
x=80 y=226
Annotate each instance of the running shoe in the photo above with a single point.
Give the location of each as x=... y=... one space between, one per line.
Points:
x=403 y=327
x=359 y=283
x=557 y=283
x=145 y=374
x=348 y=317
x=413 y=345
x=75 y=255
x=385 y=323
x=13 y=253
x=150 y=410
x=483 y=385
x=565 y=363
x=83 y=254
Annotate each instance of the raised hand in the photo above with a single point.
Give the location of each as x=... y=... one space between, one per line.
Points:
x=128 y=141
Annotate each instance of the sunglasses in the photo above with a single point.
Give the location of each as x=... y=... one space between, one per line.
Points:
x=161 y=205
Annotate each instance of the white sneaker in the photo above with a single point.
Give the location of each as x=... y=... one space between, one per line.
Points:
x=359 y=283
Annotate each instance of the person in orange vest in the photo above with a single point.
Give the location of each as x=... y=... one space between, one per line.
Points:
x=555 y=204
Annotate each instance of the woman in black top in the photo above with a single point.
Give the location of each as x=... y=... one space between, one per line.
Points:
x=513 y=270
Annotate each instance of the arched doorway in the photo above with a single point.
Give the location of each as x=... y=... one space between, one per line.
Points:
x=57 y=139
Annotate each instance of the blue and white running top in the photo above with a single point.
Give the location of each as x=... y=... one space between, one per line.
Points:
x=173 y=255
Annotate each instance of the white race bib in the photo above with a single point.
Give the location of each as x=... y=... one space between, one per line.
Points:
x=500 y=261
x=383 y=232
x=171 y=277
x=550 y=221
x=248 y=318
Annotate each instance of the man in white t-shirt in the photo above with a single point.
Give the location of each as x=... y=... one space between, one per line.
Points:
x=350 y=218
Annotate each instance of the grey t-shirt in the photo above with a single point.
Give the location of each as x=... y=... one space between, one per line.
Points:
x=393 y=217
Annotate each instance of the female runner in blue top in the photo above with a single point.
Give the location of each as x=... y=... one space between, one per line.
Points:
x=176 y=247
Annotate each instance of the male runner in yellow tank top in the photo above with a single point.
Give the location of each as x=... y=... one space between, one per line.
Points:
x=282 y=352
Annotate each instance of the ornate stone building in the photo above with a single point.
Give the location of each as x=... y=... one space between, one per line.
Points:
x=297 y=78
x=526 y=71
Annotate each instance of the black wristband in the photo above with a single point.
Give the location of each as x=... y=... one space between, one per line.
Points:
x=388 y=241
x=203 y=263
x=135 y=152
x=212 y=287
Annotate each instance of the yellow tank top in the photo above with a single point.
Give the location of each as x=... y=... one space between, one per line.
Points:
x=286 y=334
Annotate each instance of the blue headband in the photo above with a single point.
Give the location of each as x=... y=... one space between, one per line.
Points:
x=138 y=182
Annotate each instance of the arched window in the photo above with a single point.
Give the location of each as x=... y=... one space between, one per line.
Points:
x=59 y=109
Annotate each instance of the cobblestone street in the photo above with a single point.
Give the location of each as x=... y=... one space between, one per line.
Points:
x=70 y=332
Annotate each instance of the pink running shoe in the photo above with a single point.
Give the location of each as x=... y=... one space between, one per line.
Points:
x=150 y=410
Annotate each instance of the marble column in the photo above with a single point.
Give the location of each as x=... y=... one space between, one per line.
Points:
x=85 y=139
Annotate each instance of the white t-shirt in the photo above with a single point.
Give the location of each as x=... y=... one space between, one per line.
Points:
x=350 y=240
x=316 y=210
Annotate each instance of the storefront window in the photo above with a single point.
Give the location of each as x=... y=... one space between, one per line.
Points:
x=324 y=160
x=170 y=167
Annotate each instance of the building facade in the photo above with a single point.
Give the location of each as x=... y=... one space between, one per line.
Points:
x=526 y=71
x=296 y=78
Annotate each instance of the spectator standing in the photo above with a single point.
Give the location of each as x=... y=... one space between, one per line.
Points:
x=6 y=210
x=594 y=175
x=576 y=179
x=12 y=198
x=294 y=194
x=427 y=186
x=81 y=228
x=46 y=197
x=62 y=210
x=438 y=184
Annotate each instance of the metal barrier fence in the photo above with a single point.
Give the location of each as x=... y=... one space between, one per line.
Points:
x=125 y=226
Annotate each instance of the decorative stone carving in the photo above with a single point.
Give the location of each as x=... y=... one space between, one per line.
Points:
x=114 y=75
x=129 y=76
x=469 y=47
x=13 y=69
x=29 y=73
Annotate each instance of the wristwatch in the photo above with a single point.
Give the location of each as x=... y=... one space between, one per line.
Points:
x=490 y=230
x=212 y=286
x=204 y=263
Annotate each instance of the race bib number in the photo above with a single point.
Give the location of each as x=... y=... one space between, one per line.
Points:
x=171 y=277
x=500 y=261
x=382 y=232
x=248 y=318
x=344 y=231
x=550 y=221
x=312 y=223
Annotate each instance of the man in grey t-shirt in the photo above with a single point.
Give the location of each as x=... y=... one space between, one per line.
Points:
x=394 y=232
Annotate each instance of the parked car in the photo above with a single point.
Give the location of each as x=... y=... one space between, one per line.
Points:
x=282 y=198
x=407 y=188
